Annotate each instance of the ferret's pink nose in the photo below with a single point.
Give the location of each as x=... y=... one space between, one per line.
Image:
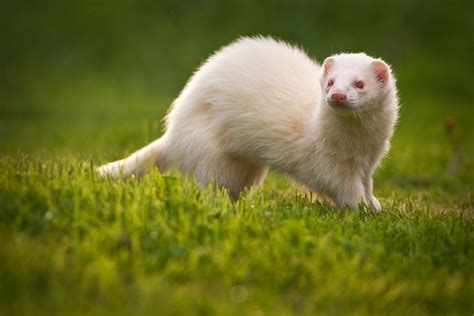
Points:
x=338 y=97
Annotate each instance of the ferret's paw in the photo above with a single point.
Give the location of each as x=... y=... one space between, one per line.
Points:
x=354 y=206
x=375 y=203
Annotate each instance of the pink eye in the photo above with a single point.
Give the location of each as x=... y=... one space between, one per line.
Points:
x=359 y=84
x=330 y=82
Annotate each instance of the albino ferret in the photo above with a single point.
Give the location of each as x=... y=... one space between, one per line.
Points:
x=260 y=103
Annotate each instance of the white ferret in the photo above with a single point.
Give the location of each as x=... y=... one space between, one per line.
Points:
x=260 y=103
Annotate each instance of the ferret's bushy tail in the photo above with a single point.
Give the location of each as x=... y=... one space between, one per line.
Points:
x=152 y=154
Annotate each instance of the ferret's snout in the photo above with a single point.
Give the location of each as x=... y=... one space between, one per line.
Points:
x=338 y=97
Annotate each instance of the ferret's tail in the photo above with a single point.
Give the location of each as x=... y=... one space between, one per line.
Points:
x=153 y=154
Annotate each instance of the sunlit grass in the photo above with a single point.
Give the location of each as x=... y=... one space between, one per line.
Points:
x=74 y=243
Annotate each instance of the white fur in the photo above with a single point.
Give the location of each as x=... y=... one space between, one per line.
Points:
x=261 y=103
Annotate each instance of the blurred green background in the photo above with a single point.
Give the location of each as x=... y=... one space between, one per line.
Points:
x=96 y=77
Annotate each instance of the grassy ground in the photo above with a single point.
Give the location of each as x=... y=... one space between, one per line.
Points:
x=76 y=244
x=81 y=85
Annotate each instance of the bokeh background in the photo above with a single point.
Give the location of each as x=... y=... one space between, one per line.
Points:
x=82 y=76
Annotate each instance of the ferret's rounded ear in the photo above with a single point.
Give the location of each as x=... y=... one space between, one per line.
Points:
x=381 y=70
x=327 y=65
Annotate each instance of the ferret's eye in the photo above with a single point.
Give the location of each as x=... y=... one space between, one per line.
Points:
x=359 y=84
x=330 y=82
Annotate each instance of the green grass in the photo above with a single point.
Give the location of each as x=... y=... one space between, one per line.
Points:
x=76 y=244
x=73 y=243
x=85 y=82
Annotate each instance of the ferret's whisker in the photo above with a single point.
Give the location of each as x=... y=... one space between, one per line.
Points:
x=361 y=118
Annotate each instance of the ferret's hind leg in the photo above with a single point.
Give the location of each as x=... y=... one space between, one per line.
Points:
x=350 y=192
x=232 y=174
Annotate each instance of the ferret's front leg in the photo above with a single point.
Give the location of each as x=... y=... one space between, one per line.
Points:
x=369 y=197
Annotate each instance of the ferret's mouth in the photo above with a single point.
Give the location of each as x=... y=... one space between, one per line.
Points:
x=343 y=108
x=345 y=105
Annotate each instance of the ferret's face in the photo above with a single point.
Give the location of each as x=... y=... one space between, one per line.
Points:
x=354 y=83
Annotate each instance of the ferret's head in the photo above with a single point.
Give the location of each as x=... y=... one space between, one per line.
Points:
x=354 y=83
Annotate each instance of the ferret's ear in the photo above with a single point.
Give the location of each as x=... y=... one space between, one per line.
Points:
x=327 y=65
x=381 y=70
